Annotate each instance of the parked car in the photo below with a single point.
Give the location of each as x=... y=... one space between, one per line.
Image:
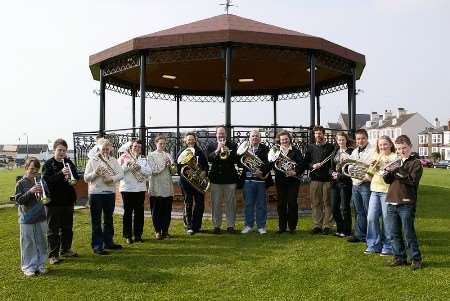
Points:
x=426 y=163
x=442 y=164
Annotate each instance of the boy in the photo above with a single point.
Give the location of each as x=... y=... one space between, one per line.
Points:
x=60 y=208
x=33 y=226
x=401 y=204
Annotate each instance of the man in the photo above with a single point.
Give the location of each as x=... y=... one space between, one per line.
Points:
x=364 y=152
x=254 y=186
x=223 y=177
x=320 y=187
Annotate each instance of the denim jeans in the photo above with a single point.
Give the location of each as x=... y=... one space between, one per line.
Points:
x=378 y=237
x=401 y=219
x=102 y=236
x=360 y=198
x=33 y=246
x=255 y=197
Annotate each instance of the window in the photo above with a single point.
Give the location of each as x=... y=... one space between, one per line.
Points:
x=423 y=151
x=421 y=139
x=399 y=132
x=436 y=138
x=435 y=149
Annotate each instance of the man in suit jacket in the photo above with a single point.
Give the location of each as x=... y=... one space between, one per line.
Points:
x=223 y=177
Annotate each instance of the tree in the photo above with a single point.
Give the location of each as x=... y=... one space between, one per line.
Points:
x=435 y=156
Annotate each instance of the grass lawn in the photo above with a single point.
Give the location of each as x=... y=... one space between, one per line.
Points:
x=8 y=183
x=237 y=267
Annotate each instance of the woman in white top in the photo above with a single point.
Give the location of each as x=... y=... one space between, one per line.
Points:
x=160 y=188
x=101 y=173
x=132 y=188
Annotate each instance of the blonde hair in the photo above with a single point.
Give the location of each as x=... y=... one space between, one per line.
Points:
x=103 y=142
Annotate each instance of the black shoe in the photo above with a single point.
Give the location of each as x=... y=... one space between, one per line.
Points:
x=354 y=239
x=316 y=230
x=326 y=231
x=230 y=230
x=129 y=241
x=138 y=239
x=281 y=231
x=416 y=265
x=292 y=231
x=165 y=235
x=216 y=230
x=395 y=262
x=101 y=252
x=113 y=247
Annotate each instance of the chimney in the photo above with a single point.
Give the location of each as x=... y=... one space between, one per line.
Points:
x=374 y=116
x=400 y=112
x=437 y=124
x=387 y=114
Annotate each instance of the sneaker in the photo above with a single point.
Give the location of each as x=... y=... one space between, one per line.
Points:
x=416 y=265
x=129 y=241
x=316 y=230
x=354 y=239
x=29 y=274
x=343 y=235
x=113 y=247
x=368 y=252
x=216 y=230
x=54 y=260
x=158 y=236
x=230 y=230
x=101 y=252
x=262 y=231
x=246 y=230
x=395 y=262
x=43 y=270
x=69 y=253
x=326 y=231
x=384 y=254
x=190 y=232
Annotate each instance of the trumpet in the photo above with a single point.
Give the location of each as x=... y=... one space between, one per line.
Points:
x=282 y=162
x=224 y=152
x=250 y=160
x=391 y=166
x=41 y=197
x=172 y=167
x=104 y=169
x=72 y=181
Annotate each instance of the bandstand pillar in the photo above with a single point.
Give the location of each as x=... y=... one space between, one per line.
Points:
x=227 y=92
x=312 y=94
x=142 y=130
x=102 y=104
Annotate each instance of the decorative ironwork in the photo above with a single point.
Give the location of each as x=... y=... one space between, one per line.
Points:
x=184 y=55
x=293 y=95
x=277 y=54
x=121 y=64
x=332 y=62
x=334 y=86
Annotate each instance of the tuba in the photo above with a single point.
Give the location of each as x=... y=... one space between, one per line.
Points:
x=282 y=162
x=191 y=172
x=250 y=160
x=104 y=169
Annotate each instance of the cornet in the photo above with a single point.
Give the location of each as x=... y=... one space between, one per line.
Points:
x=224 y=152
x=72 y=181
x=42 y=197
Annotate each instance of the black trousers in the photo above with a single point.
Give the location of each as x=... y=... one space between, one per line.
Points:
x=161 y=213
x=341 y=195
x=193 y=212
x=133 y=215
x=287 y=205
x=60 y=234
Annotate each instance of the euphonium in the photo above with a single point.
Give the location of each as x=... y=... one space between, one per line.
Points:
x=134 y=169
x=104 y=169
x=355 y=169
x=281 y=162
x=72 y=181
x=191 y=172
x=250 y=160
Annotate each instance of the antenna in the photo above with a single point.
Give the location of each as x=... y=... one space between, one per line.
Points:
x=227 y=5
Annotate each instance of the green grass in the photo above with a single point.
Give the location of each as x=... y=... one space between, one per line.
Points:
x=236 y=267
x=8 y=183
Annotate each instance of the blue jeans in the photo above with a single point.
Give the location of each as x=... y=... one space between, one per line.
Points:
x=255 y=196
x=378 y=238
x=360 y=198
x=401 y=218
x=102 y=236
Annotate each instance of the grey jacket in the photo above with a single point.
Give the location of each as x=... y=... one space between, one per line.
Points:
x=31 y=211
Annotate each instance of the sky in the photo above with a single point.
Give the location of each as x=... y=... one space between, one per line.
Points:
x=46 y=88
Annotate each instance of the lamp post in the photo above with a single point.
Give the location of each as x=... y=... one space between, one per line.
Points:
x=25 y=134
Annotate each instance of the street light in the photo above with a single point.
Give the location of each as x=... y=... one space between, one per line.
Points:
x=25 y=134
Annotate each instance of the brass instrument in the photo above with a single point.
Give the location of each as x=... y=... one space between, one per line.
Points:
x=41 y=197
x=282 y=162
x=250 y=160
x=72 y=180
x=191 y=171
x=172 y=167
x=224 y=152
x=104 y=169
x=135 y=168
x=356 y=169
x=391 y=166
x=321 y=163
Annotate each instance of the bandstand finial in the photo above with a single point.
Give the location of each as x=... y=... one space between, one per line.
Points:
x=227 y=5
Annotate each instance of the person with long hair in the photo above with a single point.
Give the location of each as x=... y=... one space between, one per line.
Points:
x=194 y=200
x=160 y=188
x=378 y=238
x=341 y=188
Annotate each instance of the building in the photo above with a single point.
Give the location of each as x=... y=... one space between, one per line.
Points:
x=394 y=125
x=435 y=139
x=342 y=123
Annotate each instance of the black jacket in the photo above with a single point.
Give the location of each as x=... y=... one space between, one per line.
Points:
x=341 y=178
x=222 y=171
x=296 y=156
x=201 y=160
x=261 y=152
x=404 y=182
x=316 y=153
x=61 y=192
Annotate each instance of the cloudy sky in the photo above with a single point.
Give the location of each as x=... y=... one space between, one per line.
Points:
x=46 y=86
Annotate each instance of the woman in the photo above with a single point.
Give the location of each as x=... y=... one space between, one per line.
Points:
x=378 y=238
x=133 y=187
x=160 y=188
x=287 y=185
x=193 y=213
x=341 y=187
x=101 y=173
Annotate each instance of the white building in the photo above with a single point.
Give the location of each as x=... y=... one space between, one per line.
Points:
x=435 y=139
x=394 y=125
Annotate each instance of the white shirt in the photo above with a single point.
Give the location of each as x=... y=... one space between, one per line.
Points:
x=129 y=183
x=96 y=183
x=364 y=156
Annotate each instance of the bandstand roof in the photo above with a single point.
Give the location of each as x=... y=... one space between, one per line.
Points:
x=274 y=57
